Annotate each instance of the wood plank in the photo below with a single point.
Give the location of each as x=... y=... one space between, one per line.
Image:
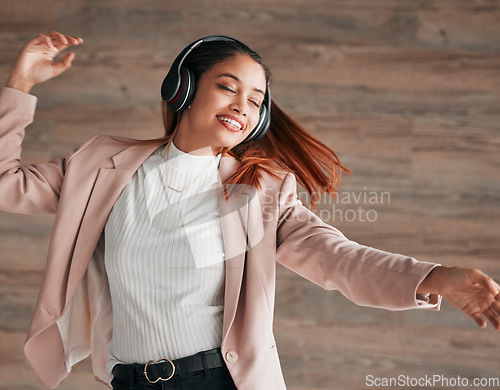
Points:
x=27 y=16
x=407 y=93
x=441 y=25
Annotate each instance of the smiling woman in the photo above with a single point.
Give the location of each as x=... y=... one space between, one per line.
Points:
x=163 y=256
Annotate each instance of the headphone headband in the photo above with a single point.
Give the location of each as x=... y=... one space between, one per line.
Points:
x=172 y=82
x=178 y=86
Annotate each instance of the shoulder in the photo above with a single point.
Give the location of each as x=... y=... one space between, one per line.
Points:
x=279 y=185
x=276 y=178
x=102 y=146
x=104 y=141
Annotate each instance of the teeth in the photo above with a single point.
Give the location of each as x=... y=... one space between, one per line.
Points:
x=230 y=121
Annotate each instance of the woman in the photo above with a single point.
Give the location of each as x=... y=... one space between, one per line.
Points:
x=163 y=274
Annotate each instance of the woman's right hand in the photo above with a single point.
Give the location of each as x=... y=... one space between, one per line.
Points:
x=35 y=63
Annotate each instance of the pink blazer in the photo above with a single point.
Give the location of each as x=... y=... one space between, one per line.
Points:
x=73 y=315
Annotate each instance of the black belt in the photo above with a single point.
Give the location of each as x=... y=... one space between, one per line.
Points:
x=165 y=369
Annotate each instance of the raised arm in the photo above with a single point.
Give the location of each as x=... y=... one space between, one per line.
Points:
x=30 y=189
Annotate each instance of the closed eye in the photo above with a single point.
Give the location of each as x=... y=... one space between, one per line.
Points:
x=226 y=88
x=255 y=103
x=222 y=86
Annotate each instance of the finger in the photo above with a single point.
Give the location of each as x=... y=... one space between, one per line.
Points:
x=64 y=64
x=493 y=318
x=494 y=287
x=484 y=280
x=495 y=306
x=57 y=37
x=497 y=288
x=48 y=41
x=40 y=38
x=74 y=40
x=479 y=320
x=61 y=41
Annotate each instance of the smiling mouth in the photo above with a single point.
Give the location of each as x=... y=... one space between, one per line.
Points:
x=231 y=122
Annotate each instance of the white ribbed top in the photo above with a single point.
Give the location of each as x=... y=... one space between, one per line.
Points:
x=165 y=260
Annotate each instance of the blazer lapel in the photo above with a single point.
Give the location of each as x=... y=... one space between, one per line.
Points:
x=108 y=185
x=234 y=222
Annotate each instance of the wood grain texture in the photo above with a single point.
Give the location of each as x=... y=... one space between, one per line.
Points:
x=406 y=92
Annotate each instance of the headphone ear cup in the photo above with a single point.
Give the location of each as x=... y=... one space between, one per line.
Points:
x=186 y=92
x=257 y=132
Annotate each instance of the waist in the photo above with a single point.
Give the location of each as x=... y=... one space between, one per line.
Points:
x=166 y=369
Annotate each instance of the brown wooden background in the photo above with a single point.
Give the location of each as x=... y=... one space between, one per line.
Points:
x=408 y=94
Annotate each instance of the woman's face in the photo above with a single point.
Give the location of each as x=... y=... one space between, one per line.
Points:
x=225 y=108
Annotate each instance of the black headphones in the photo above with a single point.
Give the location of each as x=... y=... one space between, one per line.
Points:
x=178 y=87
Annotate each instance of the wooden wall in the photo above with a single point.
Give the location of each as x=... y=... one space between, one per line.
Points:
x=406 y=92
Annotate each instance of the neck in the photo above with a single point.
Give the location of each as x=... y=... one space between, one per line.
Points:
x=197 y=150
x=193 y=145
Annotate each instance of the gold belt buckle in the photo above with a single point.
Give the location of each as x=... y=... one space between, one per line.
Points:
x=156 y=362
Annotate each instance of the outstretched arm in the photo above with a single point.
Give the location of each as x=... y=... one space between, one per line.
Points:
x=370 y=277
x=470 y=290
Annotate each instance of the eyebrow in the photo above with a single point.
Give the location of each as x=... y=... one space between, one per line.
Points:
x=238 y=80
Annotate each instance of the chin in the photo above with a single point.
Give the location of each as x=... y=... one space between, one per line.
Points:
x=230 y=140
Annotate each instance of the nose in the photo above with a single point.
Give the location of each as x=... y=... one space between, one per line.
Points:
x=237 y=107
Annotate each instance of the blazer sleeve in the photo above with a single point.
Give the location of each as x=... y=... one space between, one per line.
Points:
x=30 y=189
x=323 y=255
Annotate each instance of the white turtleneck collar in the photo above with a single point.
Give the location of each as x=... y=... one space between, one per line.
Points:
x=187 y=162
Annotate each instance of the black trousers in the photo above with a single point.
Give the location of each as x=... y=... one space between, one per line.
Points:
x=212 y=379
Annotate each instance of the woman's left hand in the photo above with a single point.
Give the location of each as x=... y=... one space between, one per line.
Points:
x=470 y=290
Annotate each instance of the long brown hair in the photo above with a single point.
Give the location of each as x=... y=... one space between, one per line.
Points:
x=286 y=146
